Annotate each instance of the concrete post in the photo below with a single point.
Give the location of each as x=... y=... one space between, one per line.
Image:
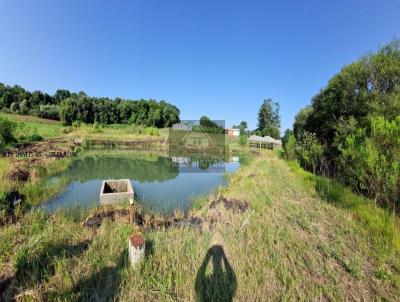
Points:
x=136 y=249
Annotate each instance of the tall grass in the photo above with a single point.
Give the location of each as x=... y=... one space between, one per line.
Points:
x=383 y=225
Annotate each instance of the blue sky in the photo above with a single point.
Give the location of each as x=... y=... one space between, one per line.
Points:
x=218 y=58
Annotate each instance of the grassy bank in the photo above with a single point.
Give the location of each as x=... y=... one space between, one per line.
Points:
x=295 y=242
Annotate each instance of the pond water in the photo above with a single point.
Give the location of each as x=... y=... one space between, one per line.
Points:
x=160 y=183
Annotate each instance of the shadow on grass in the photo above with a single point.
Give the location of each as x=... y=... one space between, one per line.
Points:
x=221 y=284
x=32 y=270
x=149 y=251
x=102 y=285
x=37 y=269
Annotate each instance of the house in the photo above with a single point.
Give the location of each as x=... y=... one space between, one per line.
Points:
x=196 y=140
x=264 y=142
x=232 y=132
x=182 y=126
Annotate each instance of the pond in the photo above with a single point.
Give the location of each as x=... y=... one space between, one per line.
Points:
x=160 y=183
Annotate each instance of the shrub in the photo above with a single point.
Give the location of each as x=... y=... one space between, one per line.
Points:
x=289 y=148
x=370 y=159
x=14 y=107
x=309 y=151
x=49 y=112
x=27 y=134
x=24 y=107
x=76 y=124
x=7 y=129
x=97 y=128
x=152 y=131
x=66 y=130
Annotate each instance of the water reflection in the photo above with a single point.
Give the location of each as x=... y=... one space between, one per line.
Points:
x=160 y=183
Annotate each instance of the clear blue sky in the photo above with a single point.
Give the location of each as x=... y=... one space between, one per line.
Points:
x=218 y=58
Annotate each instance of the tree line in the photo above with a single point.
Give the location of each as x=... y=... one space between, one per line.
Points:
x=351 y=129
x=70 y=107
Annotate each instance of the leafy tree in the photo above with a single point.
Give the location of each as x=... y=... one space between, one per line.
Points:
x=61 y=95
x=351 y=118
x=14 y=107
x=24 y=107
x=286 y=135
x=70 y=107
x=289 y=147
x=309 y=151
x=49 y=112
x=209 y=125
x=269 y=120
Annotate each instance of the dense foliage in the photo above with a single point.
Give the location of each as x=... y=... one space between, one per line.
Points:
x=351 y=131
x=69 y=107
x=7 y=129
x=269 y=121
x=208 y=125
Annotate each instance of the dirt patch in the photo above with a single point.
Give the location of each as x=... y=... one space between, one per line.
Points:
x=143 y=220
x=5 y=281
x=28 y=160
x=237 y=206
x=19 y=173
x=157 y=221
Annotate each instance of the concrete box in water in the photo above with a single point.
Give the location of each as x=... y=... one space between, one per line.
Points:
x=116 y=191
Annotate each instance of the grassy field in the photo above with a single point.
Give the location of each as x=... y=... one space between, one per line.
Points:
x=302 y=238
x=44 y=127
x=49 y=129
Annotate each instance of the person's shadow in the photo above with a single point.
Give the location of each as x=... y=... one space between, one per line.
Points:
x=220 y=284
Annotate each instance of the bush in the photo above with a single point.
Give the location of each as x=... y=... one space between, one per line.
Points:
x=152 y=131
x=7 y=129
x=25 y=134
x=243 y=140
x=289 y=148
x=14 y=107
x=97 y=128
x=76 y=124
x=49 y=112
x=370 y=160
x=24 y=107
x=66 y=130
x=309 y=151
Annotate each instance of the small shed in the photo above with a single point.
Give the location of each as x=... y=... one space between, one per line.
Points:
x=232 y=132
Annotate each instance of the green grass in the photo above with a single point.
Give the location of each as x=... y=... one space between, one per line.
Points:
x=43 y=127
x=301 y=239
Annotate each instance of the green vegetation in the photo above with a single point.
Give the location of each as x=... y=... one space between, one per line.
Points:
x=70 y=107
x=42 y=127
x=269 y=121
x=304 y=237
x=351 y=131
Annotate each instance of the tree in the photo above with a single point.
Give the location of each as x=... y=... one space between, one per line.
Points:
x=309 y=151
x=24 y=107
x=301 y=121
x=79 y=107
x=61 y=95
x=286 y=135
x=289 y=147
x=269 y=121
x=14 y=107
